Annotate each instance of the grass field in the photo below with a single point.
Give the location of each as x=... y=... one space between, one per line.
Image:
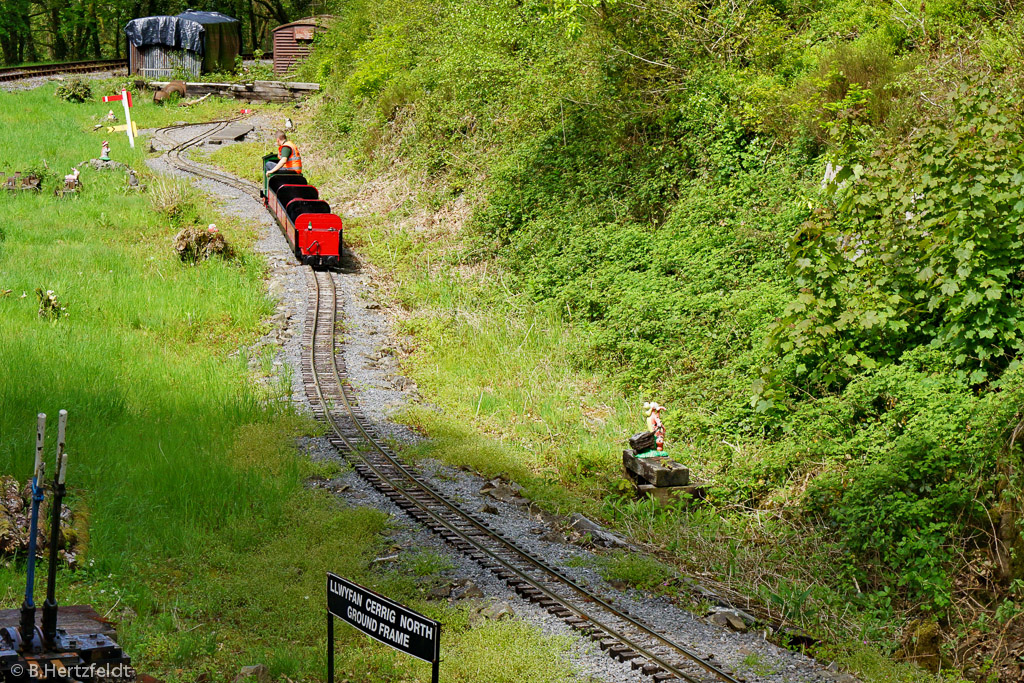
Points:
x=203 y=544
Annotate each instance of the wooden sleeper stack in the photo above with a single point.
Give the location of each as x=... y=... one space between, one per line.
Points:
x=257 y=91
x=657 y=476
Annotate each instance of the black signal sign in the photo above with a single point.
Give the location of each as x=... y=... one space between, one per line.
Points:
x=383 y=619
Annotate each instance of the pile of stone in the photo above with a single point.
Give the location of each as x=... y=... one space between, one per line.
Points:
x=103 y=165
x=15 y=506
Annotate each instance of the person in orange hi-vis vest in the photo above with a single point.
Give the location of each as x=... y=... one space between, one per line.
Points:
x=288 y=155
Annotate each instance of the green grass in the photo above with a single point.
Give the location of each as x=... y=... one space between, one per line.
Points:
x=203 y=544
x=427 y=563
x=500 y=364
x=514 y=403
x=241 y=159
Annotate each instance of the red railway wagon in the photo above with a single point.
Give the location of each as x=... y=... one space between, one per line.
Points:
x=312 y=231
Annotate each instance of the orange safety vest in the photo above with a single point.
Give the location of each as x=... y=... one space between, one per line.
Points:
x=294 y=162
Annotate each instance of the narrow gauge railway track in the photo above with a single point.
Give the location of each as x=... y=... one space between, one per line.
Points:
x=622 y=636
x=323 y=371
x=177 y=160
x=17 y=73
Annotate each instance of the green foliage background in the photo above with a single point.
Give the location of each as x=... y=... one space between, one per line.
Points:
x=652 y=172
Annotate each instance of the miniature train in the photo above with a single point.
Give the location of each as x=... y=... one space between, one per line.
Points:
x=312 y=231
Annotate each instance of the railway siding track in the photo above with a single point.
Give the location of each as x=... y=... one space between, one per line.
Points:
x=175 y=158
x=333 y=400
x=17 y=73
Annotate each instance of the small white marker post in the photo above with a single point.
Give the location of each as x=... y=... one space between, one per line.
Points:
x=126 y=100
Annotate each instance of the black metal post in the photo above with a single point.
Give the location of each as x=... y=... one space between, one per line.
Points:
x=434 y=675
x=28 y=606
x=50 y=605
x=330 y=648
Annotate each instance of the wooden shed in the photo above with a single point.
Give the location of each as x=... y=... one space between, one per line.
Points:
x=159 y=61
x=187 y=44
x=292 y=42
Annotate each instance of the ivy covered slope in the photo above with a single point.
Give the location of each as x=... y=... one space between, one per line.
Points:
x=798 y=223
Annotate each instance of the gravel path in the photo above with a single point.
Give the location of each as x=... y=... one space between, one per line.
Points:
x=381 y=391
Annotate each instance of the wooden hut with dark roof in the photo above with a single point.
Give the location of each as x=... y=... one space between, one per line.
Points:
x=190 y=43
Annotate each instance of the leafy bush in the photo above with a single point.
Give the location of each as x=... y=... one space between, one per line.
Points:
x=645 y=180
x=378 y=61
x=922 y=247
x=910 y=476
x=75 y=90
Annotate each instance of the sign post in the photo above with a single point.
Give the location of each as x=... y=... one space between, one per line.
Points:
x=118 y=129
x=125 y=98
x=383 y=620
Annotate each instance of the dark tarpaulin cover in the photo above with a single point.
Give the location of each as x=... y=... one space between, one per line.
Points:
x=216 y=36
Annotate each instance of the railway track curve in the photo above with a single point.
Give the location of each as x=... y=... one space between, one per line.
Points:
x=17 y=73
x=174 y=155
x=333 y=401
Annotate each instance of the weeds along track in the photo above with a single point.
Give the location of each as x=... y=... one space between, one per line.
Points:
x=16 y=73
x=333 y=400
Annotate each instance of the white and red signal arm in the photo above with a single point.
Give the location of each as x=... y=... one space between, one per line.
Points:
x=118 y=98
x=125 y=98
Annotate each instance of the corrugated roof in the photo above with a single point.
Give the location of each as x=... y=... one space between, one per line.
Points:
x=320 y=20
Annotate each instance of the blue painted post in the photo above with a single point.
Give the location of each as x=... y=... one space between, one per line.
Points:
x=28 y=607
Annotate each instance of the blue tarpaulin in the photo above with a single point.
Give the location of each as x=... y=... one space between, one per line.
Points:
x=215 y=36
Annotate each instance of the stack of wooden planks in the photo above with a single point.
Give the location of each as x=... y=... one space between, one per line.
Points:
x=257 y=91
x=655 y=475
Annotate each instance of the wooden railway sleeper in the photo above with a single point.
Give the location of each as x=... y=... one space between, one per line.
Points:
x=624 y=653
x=647 y=668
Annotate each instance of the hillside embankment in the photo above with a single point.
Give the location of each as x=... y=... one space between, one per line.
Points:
x=797 y=225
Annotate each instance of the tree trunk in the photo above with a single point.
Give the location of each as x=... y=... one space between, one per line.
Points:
x=95 y=32
x=31 y=55
x=1007 y=515
x=60 y=46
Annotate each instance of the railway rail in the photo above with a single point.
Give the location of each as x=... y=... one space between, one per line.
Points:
x=17 y=73
x=176 y=159
x=622 y=636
